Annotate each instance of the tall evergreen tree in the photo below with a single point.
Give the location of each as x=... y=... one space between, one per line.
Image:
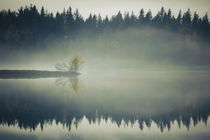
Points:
x=141 y=16
x=205 y=21
x=42 y=12
x=162 y=13
x=195 y=21
x=134 y=20
x=117 y=20
x=148 y=16
x=106 y=22
x=186 y=19
x=99 y=21
x=127 y=19
x=70 y=18
x=205 y=25
x=157 y=20
x=179 y=18
x=78 y=19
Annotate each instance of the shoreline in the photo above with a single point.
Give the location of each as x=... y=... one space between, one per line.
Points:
x=30 y=74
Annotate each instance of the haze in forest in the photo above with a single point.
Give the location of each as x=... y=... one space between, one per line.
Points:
x=37 y=39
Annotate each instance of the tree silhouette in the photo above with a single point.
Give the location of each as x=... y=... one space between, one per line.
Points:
x=141 y=16
x=29 y=26
x=179 y=18
x=117 y=20
x=195 y=21
x=148 y=17
x=186 y=19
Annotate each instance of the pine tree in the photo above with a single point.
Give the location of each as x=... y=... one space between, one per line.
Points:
x=205 y=20
x=133 y=19
x=157 y=20
x=106 y=22
x=195 y=21
x=162 y=13
x=99 y=21
x=126 y=19
x=141 y=16
x=117 y=20
x=179 y=18
x=78 y=20
x=70 y=18
x=186 y=19
x=148 y=17
x=42 y=12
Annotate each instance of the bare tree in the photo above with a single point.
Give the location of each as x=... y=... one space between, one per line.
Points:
x=74 y=65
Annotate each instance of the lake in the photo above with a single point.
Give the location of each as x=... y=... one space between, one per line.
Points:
x=122 y=105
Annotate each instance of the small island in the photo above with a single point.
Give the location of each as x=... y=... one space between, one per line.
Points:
x=63 y=70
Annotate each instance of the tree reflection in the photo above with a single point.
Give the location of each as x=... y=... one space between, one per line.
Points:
x=73 y=82
x=30 y=105
x=30 y=113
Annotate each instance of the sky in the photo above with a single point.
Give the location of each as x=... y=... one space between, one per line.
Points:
x=110 y=7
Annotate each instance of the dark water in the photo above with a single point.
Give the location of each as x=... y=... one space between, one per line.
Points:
x=124 y=105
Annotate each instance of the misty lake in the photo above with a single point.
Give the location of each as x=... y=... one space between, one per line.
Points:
x=104 y=70
x=124 y=105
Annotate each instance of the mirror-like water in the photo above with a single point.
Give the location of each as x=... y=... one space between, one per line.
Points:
x=122 y=105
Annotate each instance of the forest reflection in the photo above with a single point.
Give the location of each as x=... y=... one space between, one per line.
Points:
x=179 y=99
x=31 y=117
x=29 y=109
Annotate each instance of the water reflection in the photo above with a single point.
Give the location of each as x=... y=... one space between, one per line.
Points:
x=163 y=101
x=73 y=82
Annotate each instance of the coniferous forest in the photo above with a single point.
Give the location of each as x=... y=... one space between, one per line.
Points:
x=116 y=70
x=30 y=25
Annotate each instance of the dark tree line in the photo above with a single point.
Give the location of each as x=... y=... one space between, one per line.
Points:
x=43 y=115
x=29 y=25
x=28 y=114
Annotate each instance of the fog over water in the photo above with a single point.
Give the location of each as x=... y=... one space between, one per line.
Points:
x=124 y=105
x=128 y=49
x=136 y=83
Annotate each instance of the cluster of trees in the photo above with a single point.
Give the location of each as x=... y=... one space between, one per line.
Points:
x=25 y=120
x=29 y=25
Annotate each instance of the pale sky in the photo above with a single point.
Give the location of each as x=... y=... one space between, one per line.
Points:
x=110 y=7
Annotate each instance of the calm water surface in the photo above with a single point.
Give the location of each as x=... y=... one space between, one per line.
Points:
x=124 y=105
